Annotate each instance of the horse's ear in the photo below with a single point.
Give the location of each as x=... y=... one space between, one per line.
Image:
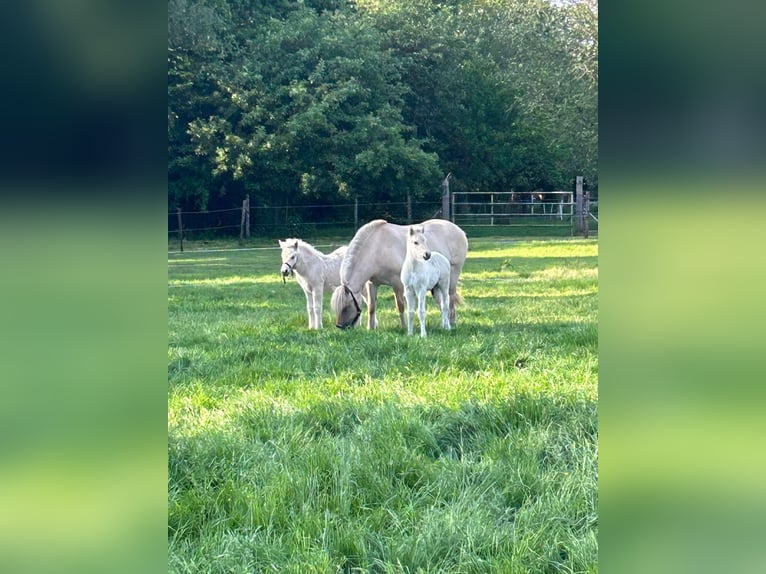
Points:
x=281 y=243
x=296 y=244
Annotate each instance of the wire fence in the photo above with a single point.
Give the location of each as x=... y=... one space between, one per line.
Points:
x=506 y=213
x=287 y=219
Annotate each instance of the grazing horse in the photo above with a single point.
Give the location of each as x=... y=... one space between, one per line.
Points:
x=422 y=270
x=376 y=254
x=316 y=273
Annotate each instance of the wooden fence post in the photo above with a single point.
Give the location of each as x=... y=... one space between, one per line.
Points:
x=180 y=229
x=578 y=204
x=242 y=221
x=247 y=216
x=409 y=208
x=356 y=213
x=585 y=213
x=446 y=197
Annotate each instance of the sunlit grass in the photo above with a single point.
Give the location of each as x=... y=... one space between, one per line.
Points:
x=470 y=450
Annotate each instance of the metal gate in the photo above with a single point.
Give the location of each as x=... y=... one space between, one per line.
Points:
x=550 y=209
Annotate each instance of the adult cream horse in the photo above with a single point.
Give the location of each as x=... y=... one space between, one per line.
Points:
x=316 y=273
x=424 y=270
x=376 y=254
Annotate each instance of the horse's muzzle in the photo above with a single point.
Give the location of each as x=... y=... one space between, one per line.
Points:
x=350 y=323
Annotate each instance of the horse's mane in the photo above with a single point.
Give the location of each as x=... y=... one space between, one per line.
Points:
x=358 y=242
x=310 y=248
x=304 y=245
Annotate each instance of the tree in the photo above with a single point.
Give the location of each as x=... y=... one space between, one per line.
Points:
x=323 y=100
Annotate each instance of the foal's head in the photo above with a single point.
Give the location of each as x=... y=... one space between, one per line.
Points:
x=417 y=246
x=289 y=256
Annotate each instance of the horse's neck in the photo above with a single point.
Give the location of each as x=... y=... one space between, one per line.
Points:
x=306 y=254
x=355 y=276
x=314 y=264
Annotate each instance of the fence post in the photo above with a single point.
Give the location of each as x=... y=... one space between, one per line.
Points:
x=247 y=216
x=578 y=204
x=356 y=213
x=409 y=208
x=242 y=220
x=492 y=209
x=446 y=197
x=585 y=212
x=180 y=230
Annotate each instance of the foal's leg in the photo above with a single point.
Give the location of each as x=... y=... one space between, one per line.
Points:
x=318 y=296
x=409 y=294
x=309 y=307
x=422 y=312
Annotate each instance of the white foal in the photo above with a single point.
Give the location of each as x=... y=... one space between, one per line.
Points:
x=424 y=270
x=316 y=273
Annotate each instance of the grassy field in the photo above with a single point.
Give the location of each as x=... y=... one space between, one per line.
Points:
x=473 y=450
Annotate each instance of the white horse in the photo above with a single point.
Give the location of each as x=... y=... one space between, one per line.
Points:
x=376 y=254
x=424 y=270
x=316 y=273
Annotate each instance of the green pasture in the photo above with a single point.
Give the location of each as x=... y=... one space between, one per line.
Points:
x=473 y=450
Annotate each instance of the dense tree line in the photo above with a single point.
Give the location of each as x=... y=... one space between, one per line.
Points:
x=328 y=100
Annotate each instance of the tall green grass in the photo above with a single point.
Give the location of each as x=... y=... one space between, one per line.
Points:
x=473 y=450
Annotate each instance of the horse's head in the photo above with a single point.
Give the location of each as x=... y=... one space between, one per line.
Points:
x=346 y=307
x=417 y=245
x=289 y=256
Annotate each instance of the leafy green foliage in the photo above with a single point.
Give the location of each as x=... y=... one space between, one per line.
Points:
x=377 y=100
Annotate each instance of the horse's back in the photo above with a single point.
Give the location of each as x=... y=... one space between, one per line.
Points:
x=448 y=239
x=332 y=263
x=338 y=253
x=378 y=249
x=376 y=253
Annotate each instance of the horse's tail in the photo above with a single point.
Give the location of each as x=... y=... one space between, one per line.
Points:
x=458 y=298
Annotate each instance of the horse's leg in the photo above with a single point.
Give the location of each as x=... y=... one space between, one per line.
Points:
x=453 y=275
x=372 y=294
x=444 y=306
x=409 y=294
x=422 y=312
x=318 y=296
x=399 y=298
x=309 y=307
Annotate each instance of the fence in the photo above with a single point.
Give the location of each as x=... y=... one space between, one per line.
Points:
x=541 y=209
x=272 y=221
x=538 y=213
